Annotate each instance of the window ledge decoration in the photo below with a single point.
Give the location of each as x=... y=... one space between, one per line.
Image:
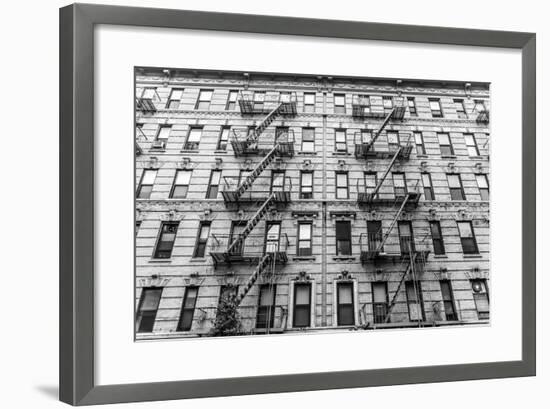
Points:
x=303 y=277
x=154 y=281
x=344 y=276
x=343 y=214
x=171 y=215
x=194 y=279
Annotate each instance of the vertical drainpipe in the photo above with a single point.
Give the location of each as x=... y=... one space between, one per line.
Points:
x=324 y=219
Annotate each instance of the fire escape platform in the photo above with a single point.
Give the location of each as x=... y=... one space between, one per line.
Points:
x=365 y=151
x=248 y=107
x=368 y=198
x=224 y=257
x=232 y=196
x=395 y=258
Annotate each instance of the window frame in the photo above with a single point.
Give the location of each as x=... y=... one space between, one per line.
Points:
x=403 y=179
x=339 y=132
x=303 y=194
x=338 y=188
x=453 y=316
x=429 y=188
x=455 y=189
x=340 y=109
x=202 y=101
x=154 y=312
x=459 y=103
x=199 y=250
x=419 y=299
x=485 y=291
x=170 y=99
x=376 y=318
x=348 y=238
x=270 y=307
x=221 y=139
x=474 y=245
x=413 y=111
x=421 y=144
x=473 y=145
x=449 y=145
x=304 y=251
x=176 y=185
x=439 y=248
x=305 y=132
x=231 y=105
x=213 y=187
x=340 y=305
x=187 y=309
x=484 y=192
x=196 y=145
x=310 y=108
x=307 y=306
x=157 y=250
x=436 y=113
x=141 y=184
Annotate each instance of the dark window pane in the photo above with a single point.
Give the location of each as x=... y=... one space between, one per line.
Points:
x=145 y=191
x=180 y=192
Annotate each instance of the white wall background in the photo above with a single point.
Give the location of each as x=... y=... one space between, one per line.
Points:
x=29 y=219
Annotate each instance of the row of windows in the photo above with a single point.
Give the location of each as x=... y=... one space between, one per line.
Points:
x=308 y=139
x=182 y=180
x=168 y=233
x=204 y=100
x=302 y=303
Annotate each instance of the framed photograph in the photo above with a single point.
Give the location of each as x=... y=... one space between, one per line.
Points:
x=258 y=204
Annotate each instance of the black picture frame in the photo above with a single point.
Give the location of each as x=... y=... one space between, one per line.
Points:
x=77 y=385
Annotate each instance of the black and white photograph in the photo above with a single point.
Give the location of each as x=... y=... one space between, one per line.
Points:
x=273 y=203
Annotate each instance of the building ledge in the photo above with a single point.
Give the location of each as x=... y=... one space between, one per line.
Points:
x=306 y=153
x=160 y=260
x=303 y=258
x=344 y=258
x=472 y=256
x=441 y=256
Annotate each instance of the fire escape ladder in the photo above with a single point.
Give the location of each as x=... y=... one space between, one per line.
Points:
x=264 y=264
x=260 y=213
x=260 y=167
x=392 y=225
x=253 y=136
x=379 y=184
x=379 y=131
x=410 y=267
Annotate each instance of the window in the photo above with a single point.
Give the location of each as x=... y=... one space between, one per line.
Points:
x=467 y=238
x=340 y=141
x=224 y=137
x=237 y=228
x=162 y=135
x=483 y=185
x=302 y=305
x=165 y=242
x=304 y=239
x=374 y=231
x=281 y=131
x=445 y=144
x=455 y=186
x=138 y=225
x=342 y=185
x=415 y=304
x=149 y=93
x=193 y=138
x=202 y=239
x=437 y=237
x=379 y=301
x=266 y=306
x=370 y=182
x=419 y=142
x=175 y=98
x=203 y=101
x=284 y=97
x=435 y=107
x=399 y=185
x=309 y=102
x=147 y=310
x=339 y=104
x=231 y=103
x=364 y=102
x=471 y=144
x=243 y=174
x=481 y=298
x=306 y=185
x=448 y=300
x=188 y=308
x=277 y=181
x=181 y=184
x=393 y=140
x=406 y=239
x=272 y=237
x=479 y=105
x=428 y=187
x=387 y=103
x=345 y=314
x=308 y=140
x=259 y=100
x=343 y=238
x=412 y=106
x=146 y=184
x=214 y=184
x=460 y=109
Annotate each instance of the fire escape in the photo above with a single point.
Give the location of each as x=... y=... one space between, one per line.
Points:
x=269 y=251
x=401 y=195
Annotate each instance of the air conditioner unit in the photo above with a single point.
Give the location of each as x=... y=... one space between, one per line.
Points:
x=158 y=144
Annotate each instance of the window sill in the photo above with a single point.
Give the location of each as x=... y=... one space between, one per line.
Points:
x=220 y=152
x=197 y=260
x=441 y=256
x=303 y=258
x=189 y=151
x=160 y=260
x=448 y=156
x=341 y=154
x=157 y=150
x=343 y=258
x=422 y=156
x=472 y=256
x=306 y=153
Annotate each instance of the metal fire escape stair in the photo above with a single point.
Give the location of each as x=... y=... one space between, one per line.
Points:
x=386 y=172
x=263 y=265
x=260 y=213
x=379 y=131
x=392 y=225
x=260 y=167
x=410 y=266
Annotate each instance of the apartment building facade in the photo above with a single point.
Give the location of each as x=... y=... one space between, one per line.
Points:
x=317 y=203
